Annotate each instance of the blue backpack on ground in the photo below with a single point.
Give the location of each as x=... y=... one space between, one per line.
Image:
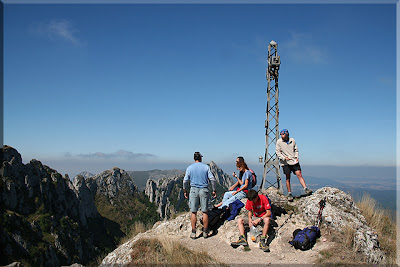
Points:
x=306 y=238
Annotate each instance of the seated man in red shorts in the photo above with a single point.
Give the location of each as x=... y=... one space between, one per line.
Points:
x=259 y=213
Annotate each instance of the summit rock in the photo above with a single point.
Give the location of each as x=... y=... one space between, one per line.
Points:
x=340 y=211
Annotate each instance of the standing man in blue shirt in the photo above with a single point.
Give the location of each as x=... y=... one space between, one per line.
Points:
x=199 y=173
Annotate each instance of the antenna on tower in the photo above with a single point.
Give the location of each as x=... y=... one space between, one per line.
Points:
x=271 y=161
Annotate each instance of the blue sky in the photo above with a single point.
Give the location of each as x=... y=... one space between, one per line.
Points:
x=90 y=87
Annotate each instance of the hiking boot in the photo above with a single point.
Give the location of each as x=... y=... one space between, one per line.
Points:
x=290 y=197
x=206 y=233
x=193 y=235
x=241 y=242
x=264 y=246
x=307 y=191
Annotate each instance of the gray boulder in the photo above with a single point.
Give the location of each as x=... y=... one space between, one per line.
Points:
x=341 y=212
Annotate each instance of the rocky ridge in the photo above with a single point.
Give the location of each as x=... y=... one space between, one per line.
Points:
x=86 y=174
x=25 y=185
x=158 y=174
x=339 y=212
x=222 y=178
x=161 y=193
x=110 y=183
x=43 y=213
x=141 y=177
x=48 y=220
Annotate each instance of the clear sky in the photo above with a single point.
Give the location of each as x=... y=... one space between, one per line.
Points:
x=90 y=87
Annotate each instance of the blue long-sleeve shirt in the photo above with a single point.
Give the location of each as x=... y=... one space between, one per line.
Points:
x=199 y=173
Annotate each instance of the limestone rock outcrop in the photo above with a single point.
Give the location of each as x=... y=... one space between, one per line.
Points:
x=222 y=178
x=158 y=174
x=111 y=183
x=341 y=212
x=166 y=193
x=86 y=174
x=45 y=216
x=24 y=186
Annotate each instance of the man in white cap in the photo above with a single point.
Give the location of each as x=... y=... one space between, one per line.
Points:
x=199 y=173
x=288 y=154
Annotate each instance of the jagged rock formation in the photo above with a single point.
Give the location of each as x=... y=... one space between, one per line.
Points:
x=158 y=174
x=86 y=174
x=25 y=186
x=43 y=213
x=111 y=183
x=167 y=192
x=339 y=212
x=222 y=178
x=117 y=199
x=48 y=220
x=140 y=177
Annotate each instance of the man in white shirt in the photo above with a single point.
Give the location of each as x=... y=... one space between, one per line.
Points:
x=288 y=154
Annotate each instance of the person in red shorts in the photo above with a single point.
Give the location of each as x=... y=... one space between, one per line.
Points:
x=259 y=214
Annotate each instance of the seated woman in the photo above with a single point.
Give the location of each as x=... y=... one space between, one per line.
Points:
x=244 y=183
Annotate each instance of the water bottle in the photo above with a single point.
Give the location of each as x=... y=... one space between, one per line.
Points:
x=254 y=233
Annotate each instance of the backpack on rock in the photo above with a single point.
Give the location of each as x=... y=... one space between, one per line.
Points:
x=306 y=238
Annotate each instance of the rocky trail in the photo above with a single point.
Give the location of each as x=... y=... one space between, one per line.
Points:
x=218 y=246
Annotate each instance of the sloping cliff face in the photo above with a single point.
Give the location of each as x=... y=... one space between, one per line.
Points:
x=167 y=193
x=45 y=218
x=24 y=187
x=222 y=178
x=111 y=184
x=338 y=213
x=140 y=177
x=86 y=174
x=48 y=220
x=117 y=198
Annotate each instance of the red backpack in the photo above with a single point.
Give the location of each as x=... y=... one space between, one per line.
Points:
x=254 y=178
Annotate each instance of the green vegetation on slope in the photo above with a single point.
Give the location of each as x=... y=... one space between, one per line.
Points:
x=126 y=210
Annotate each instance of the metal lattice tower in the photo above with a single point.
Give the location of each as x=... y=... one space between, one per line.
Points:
x=271 y=161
